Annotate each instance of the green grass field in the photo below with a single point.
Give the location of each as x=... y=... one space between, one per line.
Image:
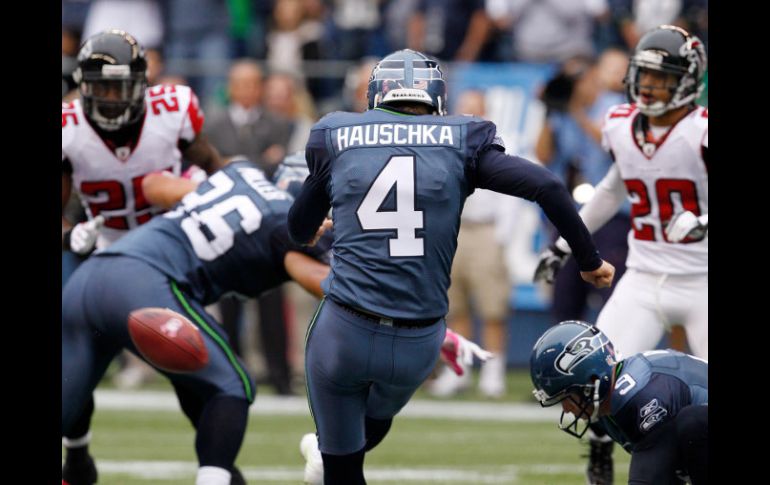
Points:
x=142 y=447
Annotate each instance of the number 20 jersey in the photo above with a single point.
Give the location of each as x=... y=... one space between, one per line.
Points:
x=109 y=182
x=673 y=178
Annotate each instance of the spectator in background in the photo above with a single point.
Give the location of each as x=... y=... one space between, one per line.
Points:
x=451 y=30
x=356 y=29
x=548 y=30
x=143 y=18
x=396 y=16
x=198 y=43
x=635 y=17
x=480 y=284
x=293 y=38
x=569 y=144
x=247 y=128
x=356 y=86
x=285 y=97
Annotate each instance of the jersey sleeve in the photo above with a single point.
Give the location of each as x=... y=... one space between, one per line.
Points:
x=192 y=122
x=652 y=407
x=481 y=136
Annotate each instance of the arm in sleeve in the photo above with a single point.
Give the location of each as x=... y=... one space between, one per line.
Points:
x=521 y=178
x=608 y=197
x=312 y=203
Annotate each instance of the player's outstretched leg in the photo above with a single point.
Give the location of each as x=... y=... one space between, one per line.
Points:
x=219 y=436
x=79 y=467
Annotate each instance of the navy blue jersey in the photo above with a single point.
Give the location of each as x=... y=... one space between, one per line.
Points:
x=650 y=389
x=229 y=235
x=396 y=205
x=396 y=185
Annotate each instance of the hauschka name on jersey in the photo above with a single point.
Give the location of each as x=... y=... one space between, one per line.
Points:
x=395 y=134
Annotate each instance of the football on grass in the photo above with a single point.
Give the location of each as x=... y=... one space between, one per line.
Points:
x=167 y=340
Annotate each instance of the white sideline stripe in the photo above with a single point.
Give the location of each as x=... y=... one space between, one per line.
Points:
x=170 y=470
x=297 y=406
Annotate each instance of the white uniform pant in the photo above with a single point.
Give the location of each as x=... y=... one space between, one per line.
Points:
x=645 y=305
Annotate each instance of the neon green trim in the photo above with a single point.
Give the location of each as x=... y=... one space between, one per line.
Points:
x=214 y=335
x=393 y=112
x=307 y=374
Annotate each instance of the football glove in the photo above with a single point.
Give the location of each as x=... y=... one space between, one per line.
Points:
x=83 y=236
x=551 y=261
x=685 y=225
x=457 y=352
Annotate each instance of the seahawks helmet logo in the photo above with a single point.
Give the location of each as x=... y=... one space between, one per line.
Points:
x=576 y=351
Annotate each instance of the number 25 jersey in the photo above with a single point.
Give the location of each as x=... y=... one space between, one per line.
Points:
x=661 y=179
x=108 y=179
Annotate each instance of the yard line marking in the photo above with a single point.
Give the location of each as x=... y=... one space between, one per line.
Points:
x=174 y=470
x=297 y=406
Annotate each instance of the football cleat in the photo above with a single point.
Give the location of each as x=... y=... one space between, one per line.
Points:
x=314 y=465
x=80 y=472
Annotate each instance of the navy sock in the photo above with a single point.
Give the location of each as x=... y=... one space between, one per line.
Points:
x=375 y=430
x=344 y=469
x=221 y=427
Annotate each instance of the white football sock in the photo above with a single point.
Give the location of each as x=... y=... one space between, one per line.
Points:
x=212 y=475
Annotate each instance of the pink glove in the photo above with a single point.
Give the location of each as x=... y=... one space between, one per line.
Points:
x=457 y=352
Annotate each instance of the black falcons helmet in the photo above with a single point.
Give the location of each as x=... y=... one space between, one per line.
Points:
x=112 y=78
x=672 y=50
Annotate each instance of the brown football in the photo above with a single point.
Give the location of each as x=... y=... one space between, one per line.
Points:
x=167 y=339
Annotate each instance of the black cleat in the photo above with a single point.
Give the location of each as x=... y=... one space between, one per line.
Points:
x=599 y=471
x=236 y=477
x=79 y=472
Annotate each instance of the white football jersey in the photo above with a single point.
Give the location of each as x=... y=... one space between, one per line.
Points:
x=661 y=180
x=109 y=179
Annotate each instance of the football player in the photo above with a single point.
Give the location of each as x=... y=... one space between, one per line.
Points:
x=659 y=143
x=118 y=131
x=396 y=177
x=115 y=133
x=654 y=404
x=229 y=235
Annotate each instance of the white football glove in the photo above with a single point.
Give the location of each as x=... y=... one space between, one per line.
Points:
x=83 y=235
x=551 y=261
x=457 y=352
x=686 y=224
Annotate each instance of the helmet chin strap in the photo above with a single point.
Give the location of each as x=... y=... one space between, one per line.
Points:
x=595 y=413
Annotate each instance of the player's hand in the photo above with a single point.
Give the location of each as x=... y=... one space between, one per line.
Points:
x=600 y=277
x=326 y=225
x=683 y=225
x=551 y=261
x=457 y=352
x=83 y=235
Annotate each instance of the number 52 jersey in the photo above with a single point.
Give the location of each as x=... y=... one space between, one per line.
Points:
x=661 y=179
x=108 y=179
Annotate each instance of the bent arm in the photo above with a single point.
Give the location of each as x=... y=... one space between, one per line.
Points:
x=164 y=190
x=522 y=178
x=306 y=271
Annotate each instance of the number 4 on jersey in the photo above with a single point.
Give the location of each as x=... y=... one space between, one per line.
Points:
x=399 y=171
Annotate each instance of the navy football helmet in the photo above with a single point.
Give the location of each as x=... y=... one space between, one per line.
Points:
x=573 y=360
x=408 y=75
x=670 y=50
x=291 y=173
x=112 y=77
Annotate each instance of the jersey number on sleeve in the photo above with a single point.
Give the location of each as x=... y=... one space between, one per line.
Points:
x=405 y=220
x=210 y=234
x=664 y=190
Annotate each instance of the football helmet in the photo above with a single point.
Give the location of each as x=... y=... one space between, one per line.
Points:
x=112 y=78
x=670 y=50
x=408 y=75
x=573 y=360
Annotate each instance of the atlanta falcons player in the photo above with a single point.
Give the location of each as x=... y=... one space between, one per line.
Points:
x=116 y=133
x=660 y=146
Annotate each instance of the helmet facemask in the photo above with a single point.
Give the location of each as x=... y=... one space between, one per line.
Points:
x=113 y=100
x=688 y=66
